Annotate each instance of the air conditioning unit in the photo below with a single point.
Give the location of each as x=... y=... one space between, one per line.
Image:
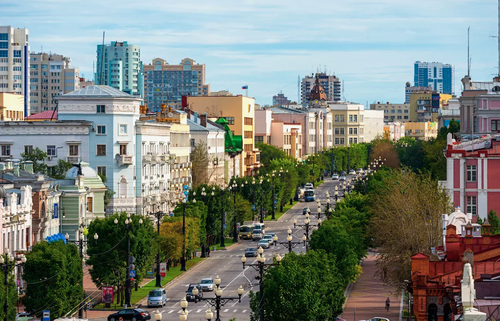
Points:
x=49 y=158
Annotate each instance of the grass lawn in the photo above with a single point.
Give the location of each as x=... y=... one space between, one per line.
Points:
x=227 y=242
x=316 y=184
x=143 y=292
x=279 y=214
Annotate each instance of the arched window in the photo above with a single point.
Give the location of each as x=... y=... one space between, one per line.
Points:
x=43 y=210
x=432 y=311
x=122 y=187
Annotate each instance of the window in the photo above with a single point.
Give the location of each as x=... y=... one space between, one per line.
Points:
x=193 y=142
x=248 y=134
x=471 y=173
x=342 y=131
x=51 y=150
x=5 y=150
x=17 y=53
x=123 y=149
x=28 y=149
x=89 y=204
x=336 y=118
x=101 y=170
x=472 y=205
x=341 y=118
x=336 y=140
x=101 y=150
x=101 y=130
x=230 y=120
x=259 y=139
x=101 y=109
x=122 y=130
x=495 y=125
x=248 y=120
x=73 y=150
x=337 y=131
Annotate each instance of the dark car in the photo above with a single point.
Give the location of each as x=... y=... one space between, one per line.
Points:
x=305 y=210
x=130 y=315
x=251 y=252
x=189 y=293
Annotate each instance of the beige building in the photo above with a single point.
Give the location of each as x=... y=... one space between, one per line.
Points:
x=166 y=84
x=393 y=112
x=421 y=130
x=239 y=112
x=288 y=137
x=394 y=130
x=51 y=75
x=425 y=105
x=11 y=107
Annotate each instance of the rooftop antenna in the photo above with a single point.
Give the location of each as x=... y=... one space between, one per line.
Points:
x=298 y=89
x=343 y=97
x=102 y=60
x=468 y=47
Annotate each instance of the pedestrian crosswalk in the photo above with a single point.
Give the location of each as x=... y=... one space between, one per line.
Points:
x=195 y=311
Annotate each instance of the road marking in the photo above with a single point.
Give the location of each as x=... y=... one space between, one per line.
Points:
x=226 y=310
x=170 y=311
x=244 y=311
x=235 y=311
x=198 y=311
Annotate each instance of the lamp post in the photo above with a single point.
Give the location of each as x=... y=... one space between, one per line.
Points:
x=289 y=244
x=261 y=267
x=223 y=216
x=159 y=216
x=306 y=226
x=157 y=315
x=80 y=243
x=235 y=229
x=7 y=263
x=218 y=302
x=184 y=202
x=128 y=227
x=253 y=198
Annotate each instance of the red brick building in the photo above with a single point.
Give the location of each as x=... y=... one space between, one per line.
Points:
x=435 y=282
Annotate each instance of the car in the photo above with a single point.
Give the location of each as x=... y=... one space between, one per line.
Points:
x=23 y=316
x=335 y=177
x=352 y=172
x=157 y=297
x=342 y=178
x=272 y=234
x=343 y=174
x=309 y=186
x=360 y=171
x=251 y=252
x=269 y=238
x=189 y=293
x=257 y=234
x=207 y=284
x=377 y=319
x=305 y=210
x=264 y=244
x=130 y=314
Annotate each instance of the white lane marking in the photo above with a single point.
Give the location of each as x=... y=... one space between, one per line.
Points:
x=235 y=311
x=226 y=310
x=244 y=311
x=198 y=311
x=170 y=311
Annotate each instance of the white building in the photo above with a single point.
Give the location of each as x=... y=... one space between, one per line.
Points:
x=374 y=124
x=14 y=63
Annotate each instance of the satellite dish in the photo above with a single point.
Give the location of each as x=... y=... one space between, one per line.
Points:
x=170 y=114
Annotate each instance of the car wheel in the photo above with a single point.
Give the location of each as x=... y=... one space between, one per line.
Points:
x=112 y=319
x=134 y=319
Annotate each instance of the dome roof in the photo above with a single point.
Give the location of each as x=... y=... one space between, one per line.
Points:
x=87 y=171
x=318 y=92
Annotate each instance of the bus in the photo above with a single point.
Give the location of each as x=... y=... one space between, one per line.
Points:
x=309 y=195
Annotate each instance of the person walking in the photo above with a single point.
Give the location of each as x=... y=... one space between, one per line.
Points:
x=208 y=251
x=387 y=304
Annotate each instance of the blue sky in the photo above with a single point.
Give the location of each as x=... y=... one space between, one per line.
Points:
x=266 y=44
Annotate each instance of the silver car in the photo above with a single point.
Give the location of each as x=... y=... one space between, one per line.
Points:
x=207 y=284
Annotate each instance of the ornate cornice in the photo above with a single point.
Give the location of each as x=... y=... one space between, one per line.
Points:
x=69 y=108
x=49 y=129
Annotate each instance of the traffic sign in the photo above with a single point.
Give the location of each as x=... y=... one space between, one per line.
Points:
x=186 y=193
x=132 y=274
x=46 y=316
x=163 y=269
x=224 y=226
x=253 y=207
x=186 y=187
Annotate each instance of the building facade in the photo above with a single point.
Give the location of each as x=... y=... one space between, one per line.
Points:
x=11 y=107
x=394 y=130
x=263 y=120
x=281 y=100
x=288 y=137
x=166 y=84
x=330 y=83
x=51 y=75
x=437 y=75
x=119 y=66
x=413 y=89
x=421 y=130
x=425 y=106
x=14 y=63
x=393 y=112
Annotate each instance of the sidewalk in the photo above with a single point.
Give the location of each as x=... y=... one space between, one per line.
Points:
x=368 y=296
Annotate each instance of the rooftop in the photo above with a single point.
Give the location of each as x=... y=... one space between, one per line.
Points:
x=98 y=91
x=48 y=114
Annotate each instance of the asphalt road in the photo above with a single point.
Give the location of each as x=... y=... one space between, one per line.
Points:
x=227 y=265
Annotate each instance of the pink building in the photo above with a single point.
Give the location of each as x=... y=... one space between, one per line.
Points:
x=263 y=119
x=473 y=175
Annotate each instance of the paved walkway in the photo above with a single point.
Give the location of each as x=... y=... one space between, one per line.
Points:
x=368 y=296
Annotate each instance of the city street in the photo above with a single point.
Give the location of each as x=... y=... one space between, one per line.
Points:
x=227 y=265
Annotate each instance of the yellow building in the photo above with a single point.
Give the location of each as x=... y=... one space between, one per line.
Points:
x=11 y=107
x=421 y=130
x=239 y=112
x=425 y=105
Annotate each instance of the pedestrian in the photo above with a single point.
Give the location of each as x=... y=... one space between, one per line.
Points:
x=387 y=304
x=208 y=251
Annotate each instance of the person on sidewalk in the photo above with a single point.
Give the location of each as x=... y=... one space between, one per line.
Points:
x=208 y=251
x=387 y=304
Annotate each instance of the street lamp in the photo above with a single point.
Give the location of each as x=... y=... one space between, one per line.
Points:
x=128 y=227
x=80 y=243
x=306 y=226
x=289 y=243
x=157 y=315
x=159 y=216
x=7 y=264
x=218 y=302
x=235 y=229
x=261 y=267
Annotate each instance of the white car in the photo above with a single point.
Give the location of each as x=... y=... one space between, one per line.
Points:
x=352 y=172
x=335 y=177
x=309 y=186
x=207 y=284
x=342 y=178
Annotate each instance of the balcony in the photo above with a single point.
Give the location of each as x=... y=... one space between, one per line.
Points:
x=155 y=158
x=146 y=158
x=124 y=160
x=74 y=159
x=4 y=158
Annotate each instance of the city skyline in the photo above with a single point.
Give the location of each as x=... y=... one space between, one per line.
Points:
x=267 y=46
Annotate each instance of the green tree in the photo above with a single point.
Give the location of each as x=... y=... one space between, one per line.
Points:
x=434 y=160
x=267 y=154
x=53 y=272
x=12 y=292
x=59 y=171
x=38 y=157
x=307 y=285
x=108 y=255
x=200 y=161
x=494 y=222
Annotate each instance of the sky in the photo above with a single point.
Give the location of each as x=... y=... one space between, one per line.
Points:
x=369 y=45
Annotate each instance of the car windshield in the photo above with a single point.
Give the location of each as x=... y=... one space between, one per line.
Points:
x=155 y=293
x=190 y=289
x=251 y=249
x=245 y=229
x=206 y=281
x=257 y=231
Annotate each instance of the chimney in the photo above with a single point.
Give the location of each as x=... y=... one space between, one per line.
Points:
x=16 y=168
x=203 y=120
x=28 y=166
x=195 y=117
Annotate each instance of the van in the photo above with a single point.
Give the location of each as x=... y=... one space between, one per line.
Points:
x=246 y=232
x=260 y=226
x=157 y=297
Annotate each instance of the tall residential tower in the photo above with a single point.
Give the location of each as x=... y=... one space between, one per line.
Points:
x=437 y=75
x=330 y=83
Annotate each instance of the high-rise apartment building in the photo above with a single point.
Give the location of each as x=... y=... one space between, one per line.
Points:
x=330 y=83
x=281 y=100
x=14 y=63
x=437 y=75
x=409 y=89
x=119 y=66
x=166 y=84
x=51 y=75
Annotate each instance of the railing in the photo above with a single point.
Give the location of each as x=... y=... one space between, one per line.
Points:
x=73 y=159
x=495 y=315
x=125 y=160
x=146 y=158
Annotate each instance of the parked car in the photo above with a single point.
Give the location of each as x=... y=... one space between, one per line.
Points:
x=257 y=234
x=342 y=178
x=343 y=174
x=305 y=210
x=264 y=244
x=207 y=284
x=130 y=314
x=360 y=171
x=251 y=252
x=309 y=186
x=189 y=293
x=335 y=177
x=157 y=297
x=352 y=172
x=23 y=316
